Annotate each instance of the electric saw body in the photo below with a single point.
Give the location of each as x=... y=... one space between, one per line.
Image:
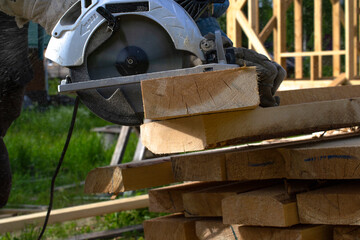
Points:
x=111 y=46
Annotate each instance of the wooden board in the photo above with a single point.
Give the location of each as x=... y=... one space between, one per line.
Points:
x=299 y=96
x=346 y=233
x=337 y=205
x=214 y=229
x=329 y=160
x=174 y=227
x=279 y=159
x=264 y=207
x=209 y=92
x=216 y=130
x=131 y=176
x=309 y=232
x=169 y=199
x=207 y=202
x=73 y=213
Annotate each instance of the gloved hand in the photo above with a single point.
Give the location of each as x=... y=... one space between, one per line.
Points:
x=44 y=12
x=270 y=74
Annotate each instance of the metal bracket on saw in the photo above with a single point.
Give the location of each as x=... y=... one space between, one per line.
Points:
x=66 y=86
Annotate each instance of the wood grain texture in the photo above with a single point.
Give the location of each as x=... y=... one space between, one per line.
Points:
x=255 y=165
x=338 y=159
x=337 y=205
x=300 y=232
x=209 y=92
x=264 y=207
x=174 y=227
x=346 y=233
x=169 y=199
x=73 y=213
x=317 y=94
x=215 y=229
x=130 y=176
x=207 y=201
x=222 y=129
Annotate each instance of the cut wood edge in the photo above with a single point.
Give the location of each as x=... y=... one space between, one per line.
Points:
x=200 y=93
x=130 y=176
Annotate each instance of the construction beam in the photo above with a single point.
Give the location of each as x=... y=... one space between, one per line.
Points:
x=298 y=26
x=300 y=232
x=73 y=213
x=206 y=202
x=268 y=29
x=338 y=159
x=169 y=199
x=222 y=129
x=264 y=207
x=217 y=91
x=349 y=39
x=301 y=96
x=175 y=227
x=251 y=34
x=317 y=60
x=335 y=205
x=253 y=17
x=336 y=35
x=130 y=176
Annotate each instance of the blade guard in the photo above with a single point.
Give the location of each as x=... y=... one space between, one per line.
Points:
x=72 y=33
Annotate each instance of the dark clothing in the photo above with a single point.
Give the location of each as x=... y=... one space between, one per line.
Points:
x=15 y=73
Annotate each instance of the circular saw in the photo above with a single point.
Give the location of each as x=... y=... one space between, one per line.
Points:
x=111 y=46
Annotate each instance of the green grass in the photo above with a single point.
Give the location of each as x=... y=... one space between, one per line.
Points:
x=35 y=141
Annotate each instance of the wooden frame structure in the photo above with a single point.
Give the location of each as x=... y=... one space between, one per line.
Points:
x=238 y=22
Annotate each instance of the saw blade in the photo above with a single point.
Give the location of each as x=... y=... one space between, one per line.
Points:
x=140 y=46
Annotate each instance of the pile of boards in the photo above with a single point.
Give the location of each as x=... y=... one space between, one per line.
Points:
x=294 y=188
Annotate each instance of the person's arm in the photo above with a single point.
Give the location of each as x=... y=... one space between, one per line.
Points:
x=44 y=12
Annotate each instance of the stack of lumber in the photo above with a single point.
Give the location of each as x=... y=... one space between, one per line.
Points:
x=295 y=188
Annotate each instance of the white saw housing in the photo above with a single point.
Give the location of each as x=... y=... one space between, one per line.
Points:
x=71 y=35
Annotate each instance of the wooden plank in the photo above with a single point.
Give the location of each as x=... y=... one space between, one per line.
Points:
x=255 y=165
x=207 y=202
x=338 y=159
x=268 y=29
x=130 y=176
x=215 y=229
x=349 y=39
x=337 y=205
x=346 y=232
x=318 y=16
x=301 y=232
x=73 y=213
x=298 y=37
x=336 y=35
x=317 y=94
x=279 y=9
x=313 y=54
x=169 y=199
x=193 y=166
x=253 y=17
x=201 y=93
x=175 y=227
x=339 y=80
x=250 y=33
x=233 y=28
x=264 y=207
x=215 y=130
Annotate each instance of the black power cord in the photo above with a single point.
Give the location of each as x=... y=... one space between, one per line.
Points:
x=71 y=128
